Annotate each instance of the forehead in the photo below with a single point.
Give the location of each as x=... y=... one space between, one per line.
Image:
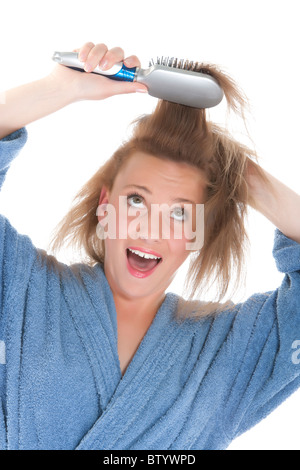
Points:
x=161 y=174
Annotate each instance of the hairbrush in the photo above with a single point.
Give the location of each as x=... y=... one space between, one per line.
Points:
x=178 y=81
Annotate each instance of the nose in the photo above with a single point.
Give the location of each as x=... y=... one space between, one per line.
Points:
x=157 y=224
x=150 y=226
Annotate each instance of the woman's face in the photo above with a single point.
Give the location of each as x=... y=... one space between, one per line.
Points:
x=153 y=202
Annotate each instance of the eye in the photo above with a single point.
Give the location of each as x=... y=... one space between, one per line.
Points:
x=135 y=200
x=179 y=214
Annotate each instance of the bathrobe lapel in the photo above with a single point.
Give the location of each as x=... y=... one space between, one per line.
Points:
x=92 y=310
x=121 y=399
x=157 y=353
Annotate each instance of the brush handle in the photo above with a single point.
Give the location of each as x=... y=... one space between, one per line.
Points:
x=118 y=72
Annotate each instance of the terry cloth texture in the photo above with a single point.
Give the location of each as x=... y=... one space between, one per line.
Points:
x=191 y=384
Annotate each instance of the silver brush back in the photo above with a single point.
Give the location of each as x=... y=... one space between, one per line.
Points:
x=179 y=81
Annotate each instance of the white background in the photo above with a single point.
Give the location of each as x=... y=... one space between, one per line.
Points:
x=255 y=41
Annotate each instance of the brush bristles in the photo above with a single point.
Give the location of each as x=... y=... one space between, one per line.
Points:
x=179 y=64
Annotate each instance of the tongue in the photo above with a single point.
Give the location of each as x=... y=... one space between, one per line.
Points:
x=139 y=263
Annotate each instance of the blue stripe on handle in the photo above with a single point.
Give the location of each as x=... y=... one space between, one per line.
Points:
x=124 y=75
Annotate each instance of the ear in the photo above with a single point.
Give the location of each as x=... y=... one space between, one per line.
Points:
x=103 y=201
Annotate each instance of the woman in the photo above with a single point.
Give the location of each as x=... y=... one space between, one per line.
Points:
x=96 y=355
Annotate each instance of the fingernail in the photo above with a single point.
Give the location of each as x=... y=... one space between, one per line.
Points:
x=141 y=90
x=103 y=65
x=87 y=68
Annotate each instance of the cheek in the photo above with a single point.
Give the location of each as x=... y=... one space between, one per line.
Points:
x=118 y=221
x=126 y=220
x=177 y=251
x=183 y=232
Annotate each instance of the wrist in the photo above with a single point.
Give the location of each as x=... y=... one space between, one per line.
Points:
x=63 y=85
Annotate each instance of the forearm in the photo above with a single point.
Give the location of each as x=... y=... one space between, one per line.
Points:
x=27 y=103
x=277 y=202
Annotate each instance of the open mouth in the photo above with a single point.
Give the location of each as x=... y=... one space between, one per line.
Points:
x=141 y=263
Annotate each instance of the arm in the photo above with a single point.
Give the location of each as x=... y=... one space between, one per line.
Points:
x=275 y=201
x=263 y=344
x=27 y=103
x=30 y=102
x=266 y=327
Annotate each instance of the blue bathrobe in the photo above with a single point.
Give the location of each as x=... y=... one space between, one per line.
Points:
x=191 y=384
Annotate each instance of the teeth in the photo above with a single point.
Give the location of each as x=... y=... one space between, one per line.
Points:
x=144 y=255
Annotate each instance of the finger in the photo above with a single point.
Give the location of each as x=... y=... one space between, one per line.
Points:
x=132 y=61
x=94 y=57
x=112 y=56
x=84 y=51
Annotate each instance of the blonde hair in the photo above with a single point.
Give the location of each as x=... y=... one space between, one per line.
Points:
x=182 y=134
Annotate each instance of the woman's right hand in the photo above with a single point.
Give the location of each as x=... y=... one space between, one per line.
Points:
x=63 y=86
x=88 y=86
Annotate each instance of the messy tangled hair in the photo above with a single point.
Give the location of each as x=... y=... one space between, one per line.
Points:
x=181 y=134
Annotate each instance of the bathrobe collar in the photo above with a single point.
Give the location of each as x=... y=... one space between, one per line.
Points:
x=157 y=352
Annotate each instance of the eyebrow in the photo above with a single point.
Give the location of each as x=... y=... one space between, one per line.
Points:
x=143 y=188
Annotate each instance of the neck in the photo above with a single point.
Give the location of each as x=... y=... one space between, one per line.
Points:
x=138 y=308
x=133 y=307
